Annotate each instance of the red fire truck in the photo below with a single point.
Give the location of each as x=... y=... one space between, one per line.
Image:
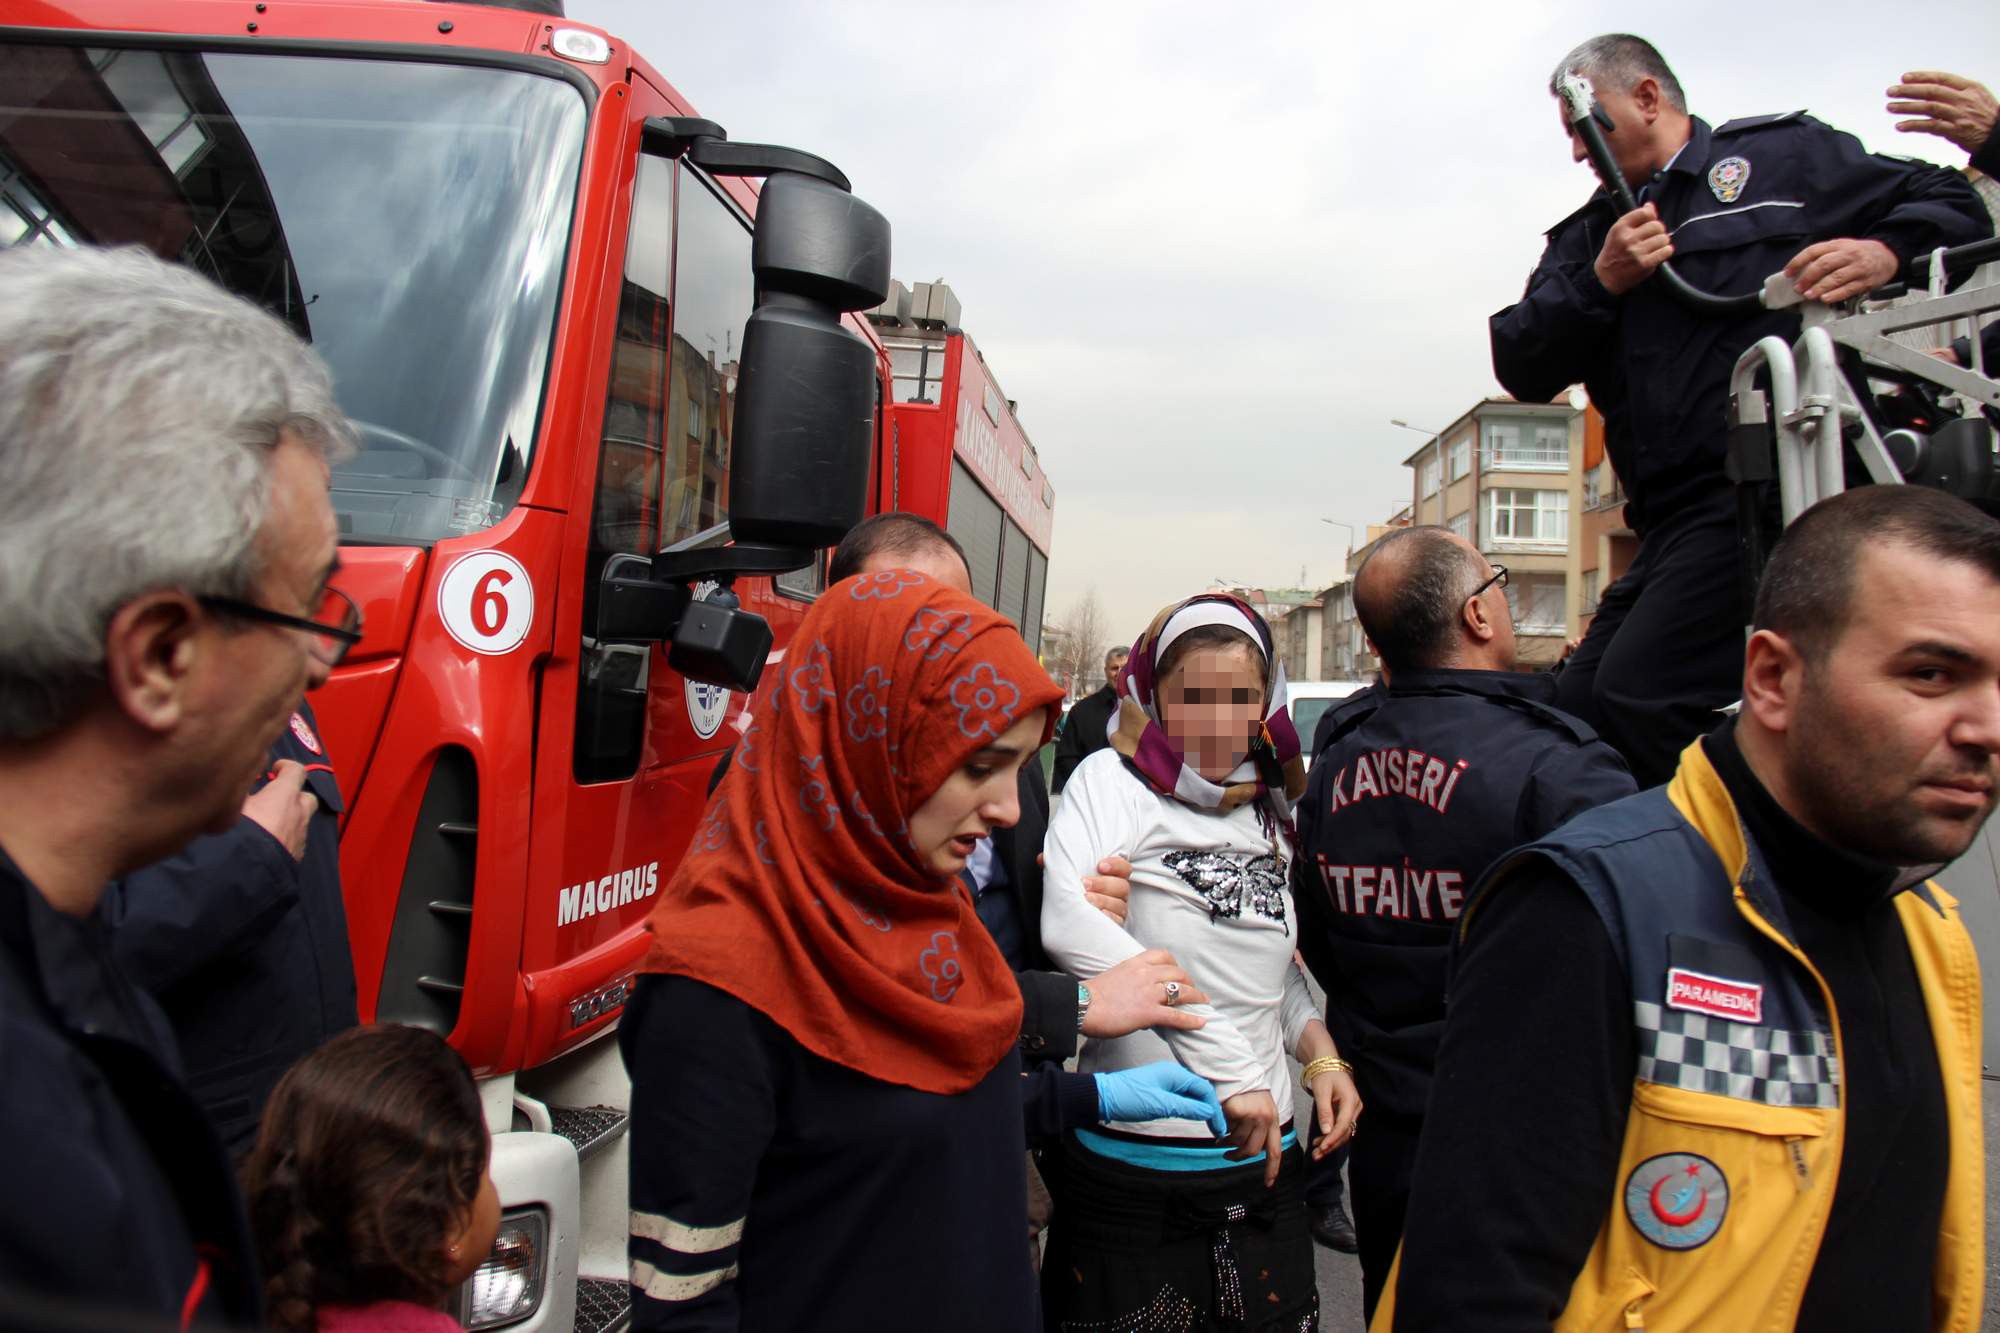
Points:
x=962 y=452
x=581 y=518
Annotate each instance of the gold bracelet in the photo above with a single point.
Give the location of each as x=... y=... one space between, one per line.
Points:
x=1326 y=1064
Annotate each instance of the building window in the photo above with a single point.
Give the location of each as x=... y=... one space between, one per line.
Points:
x=25 y=219
x=1461 y=457
x=1600 y=487
x=146 y=89
x=1427 y=474
x=1536 y=602
x=1591 y=579
x=1528 y=516
x=1461 y=524
x=1525 y=448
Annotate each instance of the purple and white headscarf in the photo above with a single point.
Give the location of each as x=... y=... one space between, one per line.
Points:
x=1274 y=766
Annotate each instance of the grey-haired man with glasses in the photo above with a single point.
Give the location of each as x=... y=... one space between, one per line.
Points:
x=166 y=548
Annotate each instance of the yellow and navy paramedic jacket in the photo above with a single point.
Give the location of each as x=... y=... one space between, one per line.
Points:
x=1733 y=1144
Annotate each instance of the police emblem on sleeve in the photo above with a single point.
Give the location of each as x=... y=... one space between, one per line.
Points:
x=1728 y=177
x=1677 y=1200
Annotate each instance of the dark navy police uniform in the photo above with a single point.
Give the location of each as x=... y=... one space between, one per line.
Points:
x=1416 y=788
x=245 y=948
x=118 y=1208
x=1740 y=202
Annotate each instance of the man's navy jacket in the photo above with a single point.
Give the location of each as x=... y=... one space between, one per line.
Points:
x=118 y=1206
x=245 y=948
x=1416 y=788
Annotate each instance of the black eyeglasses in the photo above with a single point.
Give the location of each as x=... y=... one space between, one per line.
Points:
x=1499 y=577
x=335 y=626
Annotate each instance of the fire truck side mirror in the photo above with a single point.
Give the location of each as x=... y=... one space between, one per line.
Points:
x=635 y=607
x=710 y=639
x=805 y=409
x=720 y=643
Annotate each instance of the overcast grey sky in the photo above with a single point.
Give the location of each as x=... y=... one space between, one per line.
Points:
x=1212 y=249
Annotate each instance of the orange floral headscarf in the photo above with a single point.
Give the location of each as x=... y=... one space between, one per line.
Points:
x=802 y=894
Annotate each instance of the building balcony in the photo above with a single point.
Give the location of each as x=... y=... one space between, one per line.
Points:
x=1524 y=460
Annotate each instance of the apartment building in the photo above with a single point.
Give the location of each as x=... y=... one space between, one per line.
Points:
x=1344 y=648
x=1604 y=545
x=1508 y=476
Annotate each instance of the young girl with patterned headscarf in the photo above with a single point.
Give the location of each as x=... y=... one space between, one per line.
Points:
x=1162 y=1223
x=828 y=1112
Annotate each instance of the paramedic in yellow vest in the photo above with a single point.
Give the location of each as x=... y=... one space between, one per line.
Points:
x=1712 y=1053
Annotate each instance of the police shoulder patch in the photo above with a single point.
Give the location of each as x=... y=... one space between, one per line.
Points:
x=1677 y=1200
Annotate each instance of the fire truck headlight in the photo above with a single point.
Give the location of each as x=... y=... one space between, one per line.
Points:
x=576 y=44
x=507 y=1288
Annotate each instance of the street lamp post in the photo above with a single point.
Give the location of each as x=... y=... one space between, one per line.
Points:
x=1348 y=554
x=1437 y=439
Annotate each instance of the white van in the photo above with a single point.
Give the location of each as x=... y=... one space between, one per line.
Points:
x=1309 y=701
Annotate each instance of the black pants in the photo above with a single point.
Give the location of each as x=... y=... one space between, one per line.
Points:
x=1666 y=649
x=1193 y=1252
x=1379 y=1168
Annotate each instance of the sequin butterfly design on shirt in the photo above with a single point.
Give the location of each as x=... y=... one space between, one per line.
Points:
x=1227 y=884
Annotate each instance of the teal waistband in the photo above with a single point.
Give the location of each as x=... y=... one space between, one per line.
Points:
x=1162 y=1155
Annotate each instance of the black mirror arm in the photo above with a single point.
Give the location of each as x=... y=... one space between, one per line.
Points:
x=725 y=564
x=704 y=143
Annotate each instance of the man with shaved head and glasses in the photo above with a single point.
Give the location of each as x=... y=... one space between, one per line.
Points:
x=166 y=542
x=1713 y=1055
x=1417 y=786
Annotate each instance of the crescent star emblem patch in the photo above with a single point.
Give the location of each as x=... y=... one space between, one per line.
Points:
x=1728 y=177
x=1677 y=1200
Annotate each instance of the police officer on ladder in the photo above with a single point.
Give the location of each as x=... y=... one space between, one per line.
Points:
x=1730 y=206
x=1417 y=786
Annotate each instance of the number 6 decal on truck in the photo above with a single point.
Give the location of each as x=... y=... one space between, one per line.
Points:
x=487 y=602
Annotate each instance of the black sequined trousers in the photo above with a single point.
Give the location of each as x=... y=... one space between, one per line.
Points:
x=1134 y=1250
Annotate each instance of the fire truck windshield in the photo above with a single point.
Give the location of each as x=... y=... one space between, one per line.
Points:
x=408 y=219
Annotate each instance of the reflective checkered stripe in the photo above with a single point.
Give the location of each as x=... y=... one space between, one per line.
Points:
x=1769 y=1065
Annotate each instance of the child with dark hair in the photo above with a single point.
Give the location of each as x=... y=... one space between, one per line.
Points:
x=368 y=1187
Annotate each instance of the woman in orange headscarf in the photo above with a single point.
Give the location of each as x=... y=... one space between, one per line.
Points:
x=828 y=1113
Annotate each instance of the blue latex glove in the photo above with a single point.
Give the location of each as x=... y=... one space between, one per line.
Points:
x=1162 y=1091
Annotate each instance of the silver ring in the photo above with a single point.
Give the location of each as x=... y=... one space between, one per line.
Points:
x=1173 y=993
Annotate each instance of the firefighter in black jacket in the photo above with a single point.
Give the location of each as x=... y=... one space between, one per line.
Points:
x=1731 y=206
x=1084 y=730
x=242 y=936
x=1417 y=786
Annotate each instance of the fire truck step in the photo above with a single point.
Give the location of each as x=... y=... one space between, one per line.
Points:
x=603 y=1305
x=588 y=1127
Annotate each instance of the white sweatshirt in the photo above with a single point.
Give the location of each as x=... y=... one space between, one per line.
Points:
x=1209 y=887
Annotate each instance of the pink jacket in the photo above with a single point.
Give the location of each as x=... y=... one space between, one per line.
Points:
x=385 y=1317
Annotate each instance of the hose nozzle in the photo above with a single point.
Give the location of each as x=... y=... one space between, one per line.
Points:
x=1580 y=100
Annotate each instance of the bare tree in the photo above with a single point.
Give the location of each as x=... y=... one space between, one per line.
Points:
x=1079 y=660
